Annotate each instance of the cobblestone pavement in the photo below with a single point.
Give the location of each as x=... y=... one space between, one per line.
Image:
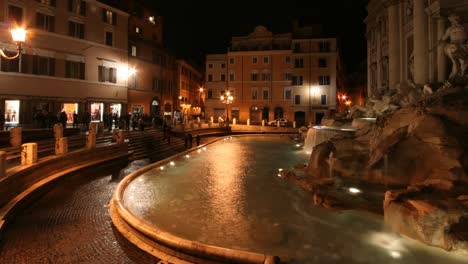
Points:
x=72 y=224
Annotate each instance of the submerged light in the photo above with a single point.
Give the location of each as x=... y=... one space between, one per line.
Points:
x=354 y=190
x=172 y=163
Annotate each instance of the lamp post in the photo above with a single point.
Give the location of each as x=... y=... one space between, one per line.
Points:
x=19 y=36
x=227 y=99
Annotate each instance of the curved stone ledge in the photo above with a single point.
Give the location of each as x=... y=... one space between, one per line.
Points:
x=25 y=183
x=143 y=234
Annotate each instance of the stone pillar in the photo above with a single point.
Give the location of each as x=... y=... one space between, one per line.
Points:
x=28 y=153
x=58 y=131
x=93 y=128
x=278 y=123
x=2 y=164
x=263 y=123
x=441 y=57
x=119 y=136
x=248 y=122
x=421 y=41
x=61 y=146
x=394 y=70
x=294 y=124
x=15 y=137
x=212 y=119
x=234 y=121
x=90 y=140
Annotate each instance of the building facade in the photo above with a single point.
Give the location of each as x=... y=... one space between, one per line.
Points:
x=291 y=76
x=403 y=42
x=74 y=59
x=152 y=87
x=189 y=81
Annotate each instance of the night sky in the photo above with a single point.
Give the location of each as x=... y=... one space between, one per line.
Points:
x=193 y=29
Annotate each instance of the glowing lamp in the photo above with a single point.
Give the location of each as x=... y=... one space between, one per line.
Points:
x=18 y=34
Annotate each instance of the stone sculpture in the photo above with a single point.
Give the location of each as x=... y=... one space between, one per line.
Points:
x=456 y=48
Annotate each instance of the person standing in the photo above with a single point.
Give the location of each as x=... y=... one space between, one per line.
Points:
x=75 y=119
x=190 y=140
x=197 y=138
x=63 y=119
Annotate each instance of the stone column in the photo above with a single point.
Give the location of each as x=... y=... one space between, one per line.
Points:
x=294 y=124
x=28 y=153
x=421 y=41
x=234 y=121
x=15 y=137
x=90 y=140
x=61 y=146
x=263 y=122
x=248 y=122
x=58 y=131
x=2 y=164
x=441 y=57
x=119 y=136
x=394 y=70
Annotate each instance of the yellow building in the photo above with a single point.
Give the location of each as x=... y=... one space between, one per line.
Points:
x=189 y=81
x=291 y=76
x=74 y=59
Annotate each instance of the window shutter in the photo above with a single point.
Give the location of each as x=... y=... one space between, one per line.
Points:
x=38 y=20
x=52 y=24
x=71 y=29
x=53 y=3
x=113 y=75
x=104 y=15
x=83 y=8
x=35 y=69
x=81 y=31
x=114 y=18
x=51 y=66
x=70 y=5
x=101 y=74
x=82 y=71
x=67 y=69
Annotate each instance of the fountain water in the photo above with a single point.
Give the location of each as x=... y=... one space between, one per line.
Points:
x=319 y=134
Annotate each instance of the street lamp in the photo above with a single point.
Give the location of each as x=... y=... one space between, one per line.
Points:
x=227 y=99
x=19 y=36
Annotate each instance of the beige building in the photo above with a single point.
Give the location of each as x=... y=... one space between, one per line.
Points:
x=151 y=89
x=291 y=76
x=403 y=41
x=189 y=81
x=74 y=59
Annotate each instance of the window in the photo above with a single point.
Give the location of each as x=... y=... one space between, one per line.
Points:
x=43 y=66
x=287 y=76
x=45 y=22
x=223 y=77
x=266 y=76
x=138 y=30
x=74 y=70
x=297 y=47
x=15 y=15
x=297 y=80
x=75 y=29
x=322 y=63
x=324 y=80
x=109 y=17
x=47 y=2
x=223 y=65
x=157 y=85
x=231 y=77
x=13 y=65
x=297 y=99
x=254 y=60
x=323 y=99
x=107 y=74
x=288 y=59
x=287 y=93
x=254 y=76
x=210 y=94
x=299 y=63
x=110 y=39
x=254 y=93
x=133 y=50
x=324 y=46
x=77 y=7
x=231 y=60
x=265 y=93
x=266 y=59
x=210 y=77
x=210 y=66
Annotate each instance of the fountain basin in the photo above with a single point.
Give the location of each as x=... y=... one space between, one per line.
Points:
x=226 y=203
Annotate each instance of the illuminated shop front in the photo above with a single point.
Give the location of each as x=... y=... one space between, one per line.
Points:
x=69 y=109
x=12 y=111
x=116 y=109
x=96 y=112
